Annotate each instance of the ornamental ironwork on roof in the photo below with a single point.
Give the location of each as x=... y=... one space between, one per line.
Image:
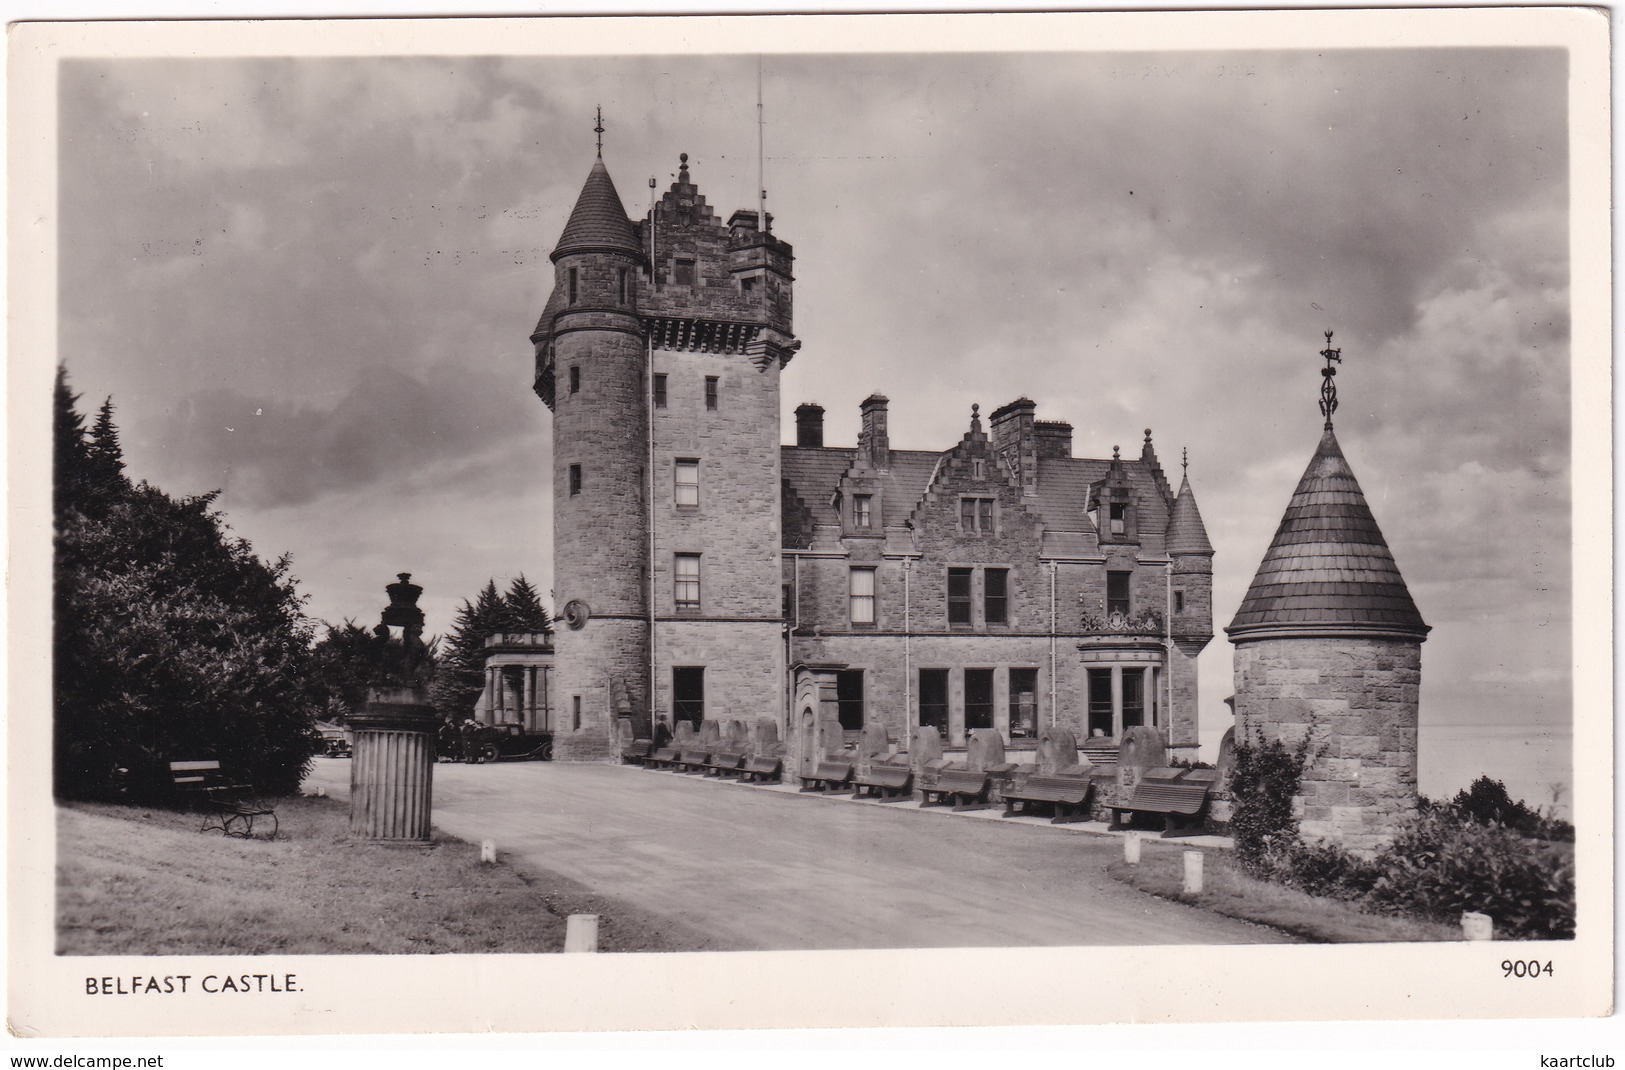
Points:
x=1329 y=571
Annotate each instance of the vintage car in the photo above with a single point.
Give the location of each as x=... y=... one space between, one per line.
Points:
x=506 y=742
x=335 y=740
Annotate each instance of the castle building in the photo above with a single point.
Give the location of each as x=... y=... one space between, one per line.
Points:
x=706 y=572
x=1328 y=649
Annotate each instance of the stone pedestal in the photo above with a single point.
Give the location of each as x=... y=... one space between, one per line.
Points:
x=392 y=769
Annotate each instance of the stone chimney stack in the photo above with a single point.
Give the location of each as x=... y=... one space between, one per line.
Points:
x=1054 y=438
x=809 y=424
x=873 y=441
x=1015 y=440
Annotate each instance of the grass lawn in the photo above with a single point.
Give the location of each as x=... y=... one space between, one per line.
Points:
x=1226 y=890
x=133 y=881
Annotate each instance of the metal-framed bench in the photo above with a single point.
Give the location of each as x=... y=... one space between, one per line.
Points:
x=885 y=781
x=828 y=776
x=1067 y=794
x=228 y=806
x=964 y=789
x=762 y=768
x=637 y=752
x=1179 y=795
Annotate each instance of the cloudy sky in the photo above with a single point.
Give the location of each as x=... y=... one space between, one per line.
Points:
x=309 y=283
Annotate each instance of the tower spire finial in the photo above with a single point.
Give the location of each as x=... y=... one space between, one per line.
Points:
x=1185 y=460
x=1328 y=388
x=599 y=130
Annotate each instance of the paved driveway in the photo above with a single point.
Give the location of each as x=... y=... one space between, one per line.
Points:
x=773 y=869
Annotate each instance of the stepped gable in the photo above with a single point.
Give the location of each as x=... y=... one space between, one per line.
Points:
x=1186 y=532
x=1328 y=570
x=598 y=220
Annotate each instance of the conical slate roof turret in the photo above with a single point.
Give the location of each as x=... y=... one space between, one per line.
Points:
x=1329 y=571
x=598 y=221
x=1186 y=532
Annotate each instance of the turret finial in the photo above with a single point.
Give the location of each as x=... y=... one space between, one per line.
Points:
x=1116 y=456
x=1148 y=436
x=599 y=130
x=682 y=168
x=1328 y=388
x=1185 y=459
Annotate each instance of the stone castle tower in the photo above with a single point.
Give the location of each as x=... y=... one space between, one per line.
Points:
x=1329 y=646
x=659 y=352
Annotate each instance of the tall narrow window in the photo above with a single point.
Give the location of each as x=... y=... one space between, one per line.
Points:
x=934 y=699
x=1179 y=601
x=623 y=286
x=686 y=573
x=575 y=480
x=688 y=693
x=1133 y=697
x=711 y=392
x=978 y=698
x=1101 y=711
x=849 y=698
x=861 y=505
x=572 y=286
x=863 y=596
x=995 y=596
x=1119 y=517
x=1117 y=596
x=959 y=596
x=660 y=390
x=1023 y=703
x=575 y=379
x=688 y=483
x=685 y=273
x=575 y=712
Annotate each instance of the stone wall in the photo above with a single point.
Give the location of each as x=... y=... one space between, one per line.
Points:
x=1356 y=700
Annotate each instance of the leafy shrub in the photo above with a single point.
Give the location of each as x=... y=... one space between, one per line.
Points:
x=1487 y=802
x=1263 y=782
x=1441 y=866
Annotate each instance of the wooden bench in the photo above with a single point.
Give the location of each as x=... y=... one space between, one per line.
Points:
x=828 y=776
x=228 y=806
x=965 y=789
x=1179 y=795
x=886 y=782
x=637 y=752
x=664 y=758
x=692 y=761
x=724 y=763
x=762 y=768
x=1066 y=794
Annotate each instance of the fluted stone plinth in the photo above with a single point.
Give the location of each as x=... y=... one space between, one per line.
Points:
x=392 y=767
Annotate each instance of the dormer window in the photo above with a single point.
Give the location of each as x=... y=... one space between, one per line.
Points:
x=1119 y=518
x=976 y=516
x=862 y=516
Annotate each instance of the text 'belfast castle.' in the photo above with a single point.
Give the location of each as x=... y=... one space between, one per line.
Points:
x=708 y=573
x=1001 y=583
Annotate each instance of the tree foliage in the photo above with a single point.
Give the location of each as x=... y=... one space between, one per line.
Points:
x=1263 y=782
x=172 y=640
x=460 y=678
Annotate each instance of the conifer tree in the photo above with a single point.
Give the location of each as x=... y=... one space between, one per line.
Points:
x=461 y=675
x=525 y=612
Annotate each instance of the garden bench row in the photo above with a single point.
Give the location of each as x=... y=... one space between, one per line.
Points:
x=721 y=763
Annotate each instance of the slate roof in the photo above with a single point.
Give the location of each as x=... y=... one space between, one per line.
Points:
x=598 y=220
x=1186 y=532
x=1329 y=568
x=814 y=473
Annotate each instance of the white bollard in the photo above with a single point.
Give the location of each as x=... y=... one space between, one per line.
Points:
x=581 y=932
x=1193 y=872
x=1131 y=848
x=488 y=851
x=1476 y=926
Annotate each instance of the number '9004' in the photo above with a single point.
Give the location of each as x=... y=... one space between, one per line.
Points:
x=1525 y=968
